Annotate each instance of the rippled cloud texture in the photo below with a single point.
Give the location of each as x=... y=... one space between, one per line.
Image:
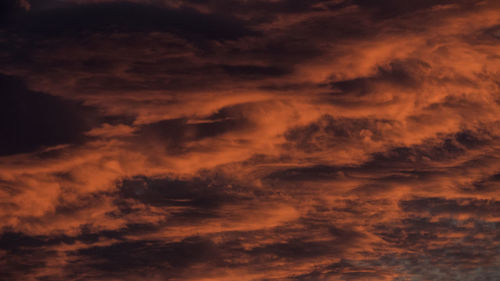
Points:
x=250 y=140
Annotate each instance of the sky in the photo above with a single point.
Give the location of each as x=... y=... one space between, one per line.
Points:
x=264 y=140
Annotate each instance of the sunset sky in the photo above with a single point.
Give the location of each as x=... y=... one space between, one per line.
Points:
x=249 y=140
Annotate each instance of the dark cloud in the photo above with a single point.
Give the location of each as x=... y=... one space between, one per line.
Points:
x=25 y=254
x=297 y=249
x=314 y=173
x=463 y=256
x=255 y=71
x=197 y=193
x=436 y=206
x=405 y=164
x=266 y=11
x=72 y=20
x=31 y=120
x=329 y=132
x=489 y=183
x=393 y=8
x=398 y=74
x=337 y=240
x=147 y=257
x=177 y=134
x=448 y=147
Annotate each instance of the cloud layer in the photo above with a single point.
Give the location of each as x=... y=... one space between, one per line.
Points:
x=249 y=140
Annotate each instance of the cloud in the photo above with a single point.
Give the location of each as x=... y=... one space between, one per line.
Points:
x=237 y=140
x=130 y=17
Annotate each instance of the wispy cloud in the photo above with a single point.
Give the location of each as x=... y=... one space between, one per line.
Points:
x=237 y=140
